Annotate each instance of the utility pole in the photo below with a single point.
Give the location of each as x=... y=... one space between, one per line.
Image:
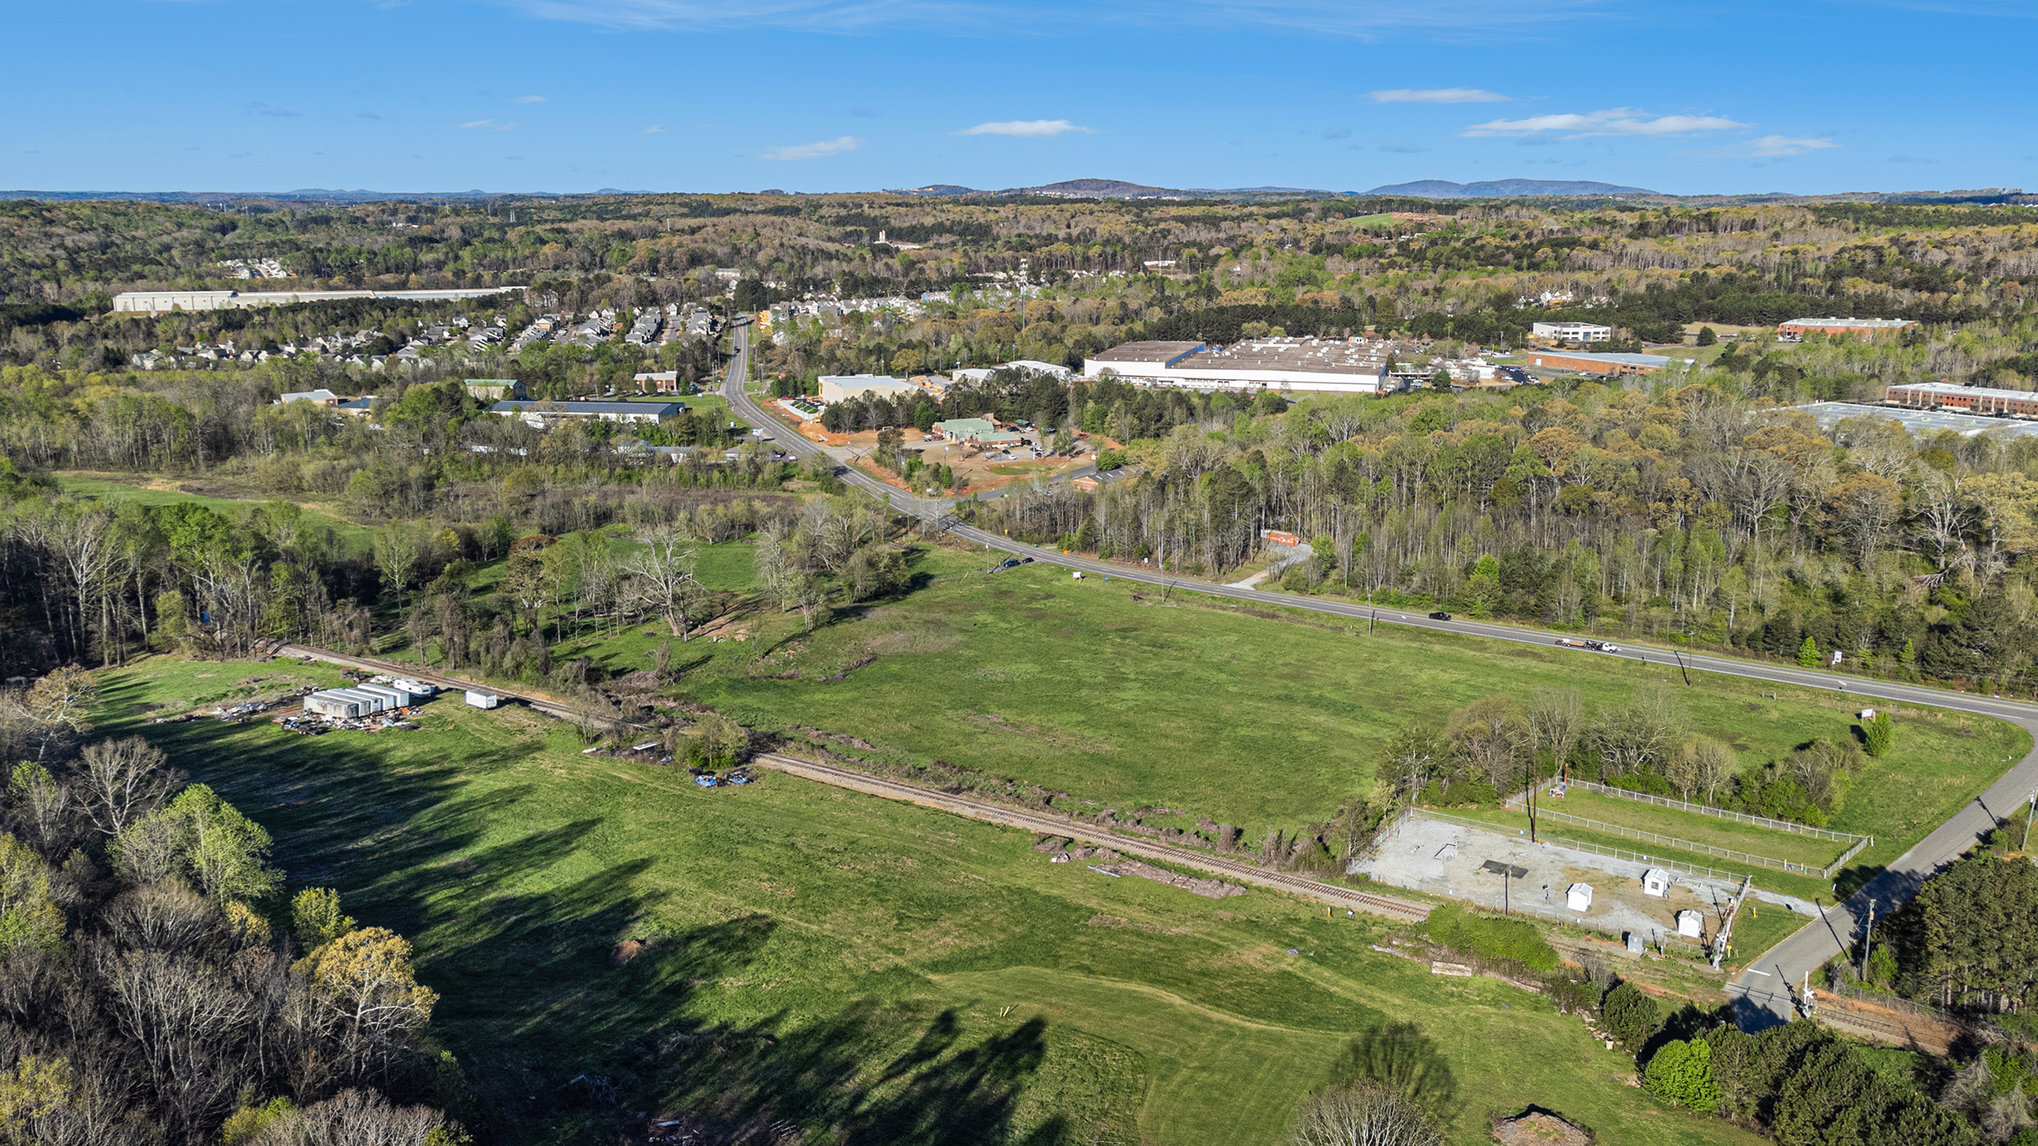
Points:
x=2028 y=816
x=1866 y=937
x=1022 y=300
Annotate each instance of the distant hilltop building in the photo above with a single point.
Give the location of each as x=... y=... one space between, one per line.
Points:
x=160 y=301
x=1797 y=328
x=1571 y=331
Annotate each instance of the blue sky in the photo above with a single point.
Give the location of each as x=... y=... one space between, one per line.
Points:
x=825 y=95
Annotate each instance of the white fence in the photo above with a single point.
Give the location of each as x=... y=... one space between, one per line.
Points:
x=1709 y=810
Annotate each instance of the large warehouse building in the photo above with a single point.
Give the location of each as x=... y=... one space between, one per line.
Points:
x=1797 y=328
x=843 y=387
x=545 y=415
x=1968 y=399
x=159 y=301
x=1606 y=365
x=1315 y=365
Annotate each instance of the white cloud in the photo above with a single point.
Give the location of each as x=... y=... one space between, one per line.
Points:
x=1779 y=145
x=1438 y=95
x=530 y=99
x=1612 y=121
x=797 y=151
x=653 y=129
x=489 y=124
x=1026 y=128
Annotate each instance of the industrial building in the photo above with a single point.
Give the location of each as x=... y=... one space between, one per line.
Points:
x=1317 y=365
x=358 y=700
x=545 y=415
x=842 y=387
x=1571 y=331
x=1605 y=365
x=1969 y=399
x=159 y=301
x=1797 y=328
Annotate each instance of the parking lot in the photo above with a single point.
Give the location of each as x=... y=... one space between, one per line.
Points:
x=1452 y=860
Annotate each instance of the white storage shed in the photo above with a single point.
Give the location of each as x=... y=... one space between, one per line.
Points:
x=1578 y=897
x=482 y=699
x=1690 y=924
x=1656 y=882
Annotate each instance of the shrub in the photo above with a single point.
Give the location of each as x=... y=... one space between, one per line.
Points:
x=1512 y=940
x=1630 y=1016
x=1878 y=735
x=1681 y=1072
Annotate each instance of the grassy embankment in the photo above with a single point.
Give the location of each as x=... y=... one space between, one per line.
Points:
x=838 y=960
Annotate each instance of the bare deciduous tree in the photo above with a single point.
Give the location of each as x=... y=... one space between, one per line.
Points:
x=121 y=781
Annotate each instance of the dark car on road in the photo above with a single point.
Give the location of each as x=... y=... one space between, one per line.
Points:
x=1439 y=615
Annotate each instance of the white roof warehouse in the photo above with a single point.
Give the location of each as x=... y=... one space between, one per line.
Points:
x=1325 y=365
x=544 y=415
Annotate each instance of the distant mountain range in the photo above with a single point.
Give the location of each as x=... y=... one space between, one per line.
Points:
x=1423 y=189
x=1504 y=189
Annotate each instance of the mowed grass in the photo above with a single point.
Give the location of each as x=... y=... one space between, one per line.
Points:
x=875 y=971
x=1264 y=721
x=353 y=535
x=1719 y=832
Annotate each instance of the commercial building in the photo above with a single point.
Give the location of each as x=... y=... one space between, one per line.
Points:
x=1571 y=331
x=1318 y=365
x=980 y=431
x=1969 y=399
x=318 y=397
x=842 y=387
x=1797 y=328
x=657 y=382
x=158 y=301
x=1605 y=365
x=545 y=415
x=493 y=389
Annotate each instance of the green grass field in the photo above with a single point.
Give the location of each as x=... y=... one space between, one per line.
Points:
x=884 y=972
x=1719 y=832
x=114 y=487
x=1261 y=721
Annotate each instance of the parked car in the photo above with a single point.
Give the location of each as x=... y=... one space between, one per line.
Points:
x=1439 y=615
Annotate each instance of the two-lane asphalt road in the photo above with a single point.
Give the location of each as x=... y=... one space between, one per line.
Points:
x=1763 y=992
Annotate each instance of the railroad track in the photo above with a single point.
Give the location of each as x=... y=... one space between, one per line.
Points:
x=1401 y=910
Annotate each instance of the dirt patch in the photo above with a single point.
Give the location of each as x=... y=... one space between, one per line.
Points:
x=627 y=950
x=1538 y=1127
x=1208 y=888
x=1054 y=738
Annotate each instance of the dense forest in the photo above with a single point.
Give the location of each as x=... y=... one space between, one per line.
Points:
x=158 y=986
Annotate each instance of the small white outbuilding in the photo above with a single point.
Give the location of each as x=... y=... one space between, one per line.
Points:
x=1656 y=882
x=1578 y=897
x=482 y=699
x=1690 y=924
